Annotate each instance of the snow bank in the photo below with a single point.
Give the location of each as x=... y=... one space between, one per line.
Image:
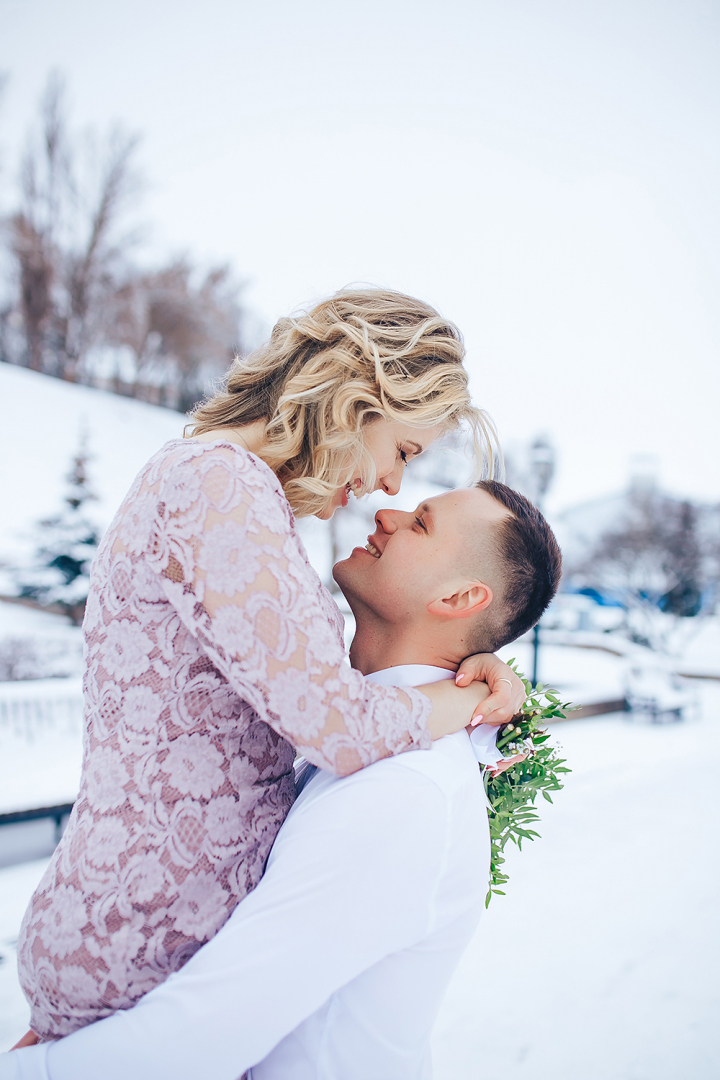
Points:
x=42 y=422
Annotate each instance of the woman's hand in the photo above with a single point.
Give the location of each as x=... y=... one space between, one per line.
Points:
x=507 y=692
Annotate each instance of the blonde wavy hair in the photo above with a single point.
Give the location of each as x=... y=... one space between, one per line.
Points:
x=325 y=374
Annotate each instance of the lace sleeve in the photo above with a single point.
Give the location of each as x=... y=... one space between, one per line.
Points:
x=232 y=566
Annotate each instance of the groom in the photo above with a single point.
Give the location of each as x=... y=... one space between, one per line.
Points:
x=335 y=966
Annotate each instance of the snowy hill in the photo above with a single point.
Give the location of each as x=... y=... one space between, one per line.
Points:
x=43 y=419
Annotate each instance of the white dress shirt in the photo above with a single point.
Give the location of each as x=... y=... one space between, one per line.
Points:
x=334 y=967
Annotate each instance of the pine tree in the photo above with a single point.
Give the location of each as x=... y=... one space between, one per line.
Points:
x=67 y=543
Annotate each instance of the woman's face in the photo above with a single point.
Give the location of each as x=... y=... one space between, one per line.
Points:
x=392 y=446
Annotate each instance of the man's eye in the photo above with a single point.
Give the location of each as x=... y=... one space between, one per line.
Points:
x=421 y=523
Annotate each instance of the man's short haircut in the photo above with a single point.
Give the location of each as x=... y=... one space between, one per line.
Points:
x=531 y=565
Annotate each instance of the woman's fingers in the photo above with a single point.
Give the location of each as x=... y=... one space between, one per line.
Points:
x=495 y=711
x=507 y=692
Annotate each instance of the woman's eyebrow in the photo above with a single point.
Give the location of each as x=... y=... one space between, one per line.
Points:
x=416 y=446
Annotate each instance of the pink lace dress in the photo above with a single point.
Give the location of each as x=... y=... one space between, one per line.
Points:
x=213 y=654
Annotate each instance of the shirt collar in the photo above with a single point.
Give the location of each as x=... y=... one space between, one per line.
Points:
x=410 y=675
x=482 y=737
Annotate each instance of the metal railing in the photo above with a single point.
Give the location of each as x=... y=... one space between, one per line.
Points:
x=54 y=813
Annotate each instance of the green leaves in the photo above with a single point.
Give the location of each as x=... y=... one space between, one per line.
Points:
x=512 y=794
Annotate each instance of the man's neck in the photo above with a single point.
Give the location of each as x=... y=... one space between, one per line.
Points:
x=377 y=646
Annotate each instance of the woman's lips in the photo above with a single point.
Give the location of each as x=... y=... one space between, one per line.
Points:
x=345 y=495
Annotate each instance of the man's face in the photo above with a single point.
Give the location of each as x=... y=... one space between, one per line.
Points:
x=415 y=558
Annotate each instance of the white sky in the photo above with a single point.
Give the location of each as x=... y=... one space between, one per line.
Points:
x=544 y=172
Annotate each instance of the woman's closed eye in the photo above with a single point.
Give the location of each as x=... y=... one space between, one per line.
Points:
x=406 y=456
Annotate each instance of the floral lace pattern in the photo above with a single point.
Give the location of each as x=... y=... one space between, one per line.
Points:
x=213 y=653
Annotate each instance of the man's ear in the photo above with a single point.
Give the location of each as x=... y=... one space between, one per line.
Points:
x=470 y=600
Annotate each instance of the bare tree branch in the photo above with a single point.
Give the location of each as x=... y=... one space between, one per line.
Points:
x=87 y=313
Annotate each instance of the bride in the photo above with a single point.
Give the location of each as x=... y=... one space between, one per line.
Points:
x=214 y=654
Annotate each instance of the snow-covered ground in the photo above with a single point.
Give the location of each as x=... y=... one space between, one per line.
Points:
x=601 y=961
x=43 y=422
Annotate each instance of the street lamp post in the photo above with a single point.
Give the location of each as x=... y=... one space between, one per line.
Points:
x=542 y=470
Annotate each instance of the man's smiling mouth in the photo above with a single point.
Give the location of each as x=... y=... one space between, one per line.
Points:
x=372 y=549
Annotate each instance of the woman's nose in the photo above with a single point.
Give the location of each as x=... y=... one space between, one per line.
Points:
x=391 y=481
